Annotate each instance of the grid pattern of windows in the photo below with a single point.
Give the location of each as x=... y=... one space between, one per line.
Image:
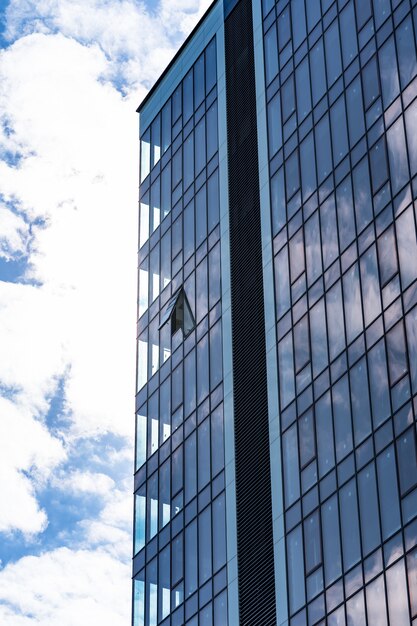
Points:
x=341 y=85
x=180 y=531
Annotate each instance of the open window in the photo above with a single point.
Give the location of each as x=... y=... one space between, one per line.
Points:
x=178 y=313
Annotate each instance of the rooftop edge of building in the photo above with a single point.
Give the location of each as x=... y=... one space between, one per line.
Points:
x=176 y=56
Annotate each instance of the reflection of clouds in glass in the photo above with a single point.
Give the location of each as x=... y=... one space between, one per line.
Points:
x=370 y=285
x=412 y=579
x=353 y=303
x=407 y=247
x=286 y=370
x=397 y=153
x=411 y=128
x=397 y=595
x=335 y=320
x=411 y=327
x=375 y=602
x=355 y=609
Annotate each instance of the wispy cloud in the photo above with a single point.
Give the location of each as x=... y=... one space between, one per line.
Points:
x=72 y=74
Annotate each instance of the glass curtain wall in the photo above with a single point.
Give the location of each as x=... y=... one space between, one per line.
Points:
x=180 y=536
x=341 y=85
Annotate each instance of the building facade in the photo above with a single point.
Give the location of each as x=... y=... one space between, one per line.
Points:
x=276 y=406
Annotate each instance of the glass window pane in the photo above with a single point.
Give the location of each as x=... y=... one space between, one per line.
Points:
x=312 y=541
x=200 y=145
x=328 y=229
x=190 y=468
x=318 y=71
x=360 y=401
x=177 y=558
x=204 y=545
x=298 y=22
x=350 y=525
x=165 y=493
x=211 y=71
x=152 y=505
x=308 y=166
x=388 y=493
x=217 y=441
x=348 y=33
x=363 y=11
x=288 y=98
x=378 y=378
x=407 y=460
x=274 y=125
x=313 y=248
x=323 y=149
x=381 y=11
x=397 y=595
x=379 y=167
x=333 y=58
x=191 y=553
x=397 y=365
x=219 y=533
x=325 y=445
x=286 y=370
x=284 y=28
x=282 y=282
x=388 y=70
x=166 y=126
x=166 y=191
x=156 y=140
x=213 y=211
x=204 y=470
x=397 y=153
x=201 y=216
x=370 y=285
x=362 y=194
x=412 y=580
x=188 y=152
x=188 y=246
x=375 y=602
x=188 y=104
x=212 y=131
x=387 y=255
x=271 y=54
x=152 y=593
x=140 y=518
x=407 y=247
x=410 y=123
x=335 y=320
x=291 y=471
x=318 y=337
x=339 y=130
x=301 y=344
x=307 y=438
x=295 y=569
x=302 y=81
x=278 y=206
x=411 y=325
x=342 y=419
x=331 y=541
x=370 y=82
x=144 y=220
x=189 y=383
x=164 y=583
x=199 y=87
x=355 y=610
x=139 y=600
x=145 y=155
x=216 y=369
x=368 y=503
x=352 y=302
x=345 y=215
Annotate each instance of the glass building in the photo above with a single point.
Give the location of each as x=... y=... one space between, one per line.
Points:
x=276 y=406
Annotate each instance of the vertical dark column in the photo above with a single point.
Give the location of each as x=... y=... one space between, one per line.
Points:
x=253 y=484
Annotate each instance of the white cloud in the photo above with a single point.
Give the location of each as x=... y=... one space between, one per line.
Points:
x=74 y=188
x=65 y=587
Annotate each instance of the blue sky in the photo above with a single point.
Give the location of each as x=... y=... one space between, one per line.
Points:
x=72 y=74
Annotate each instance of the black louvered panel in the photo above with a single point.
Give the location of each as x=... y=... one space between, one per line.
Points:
x=253 y=485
